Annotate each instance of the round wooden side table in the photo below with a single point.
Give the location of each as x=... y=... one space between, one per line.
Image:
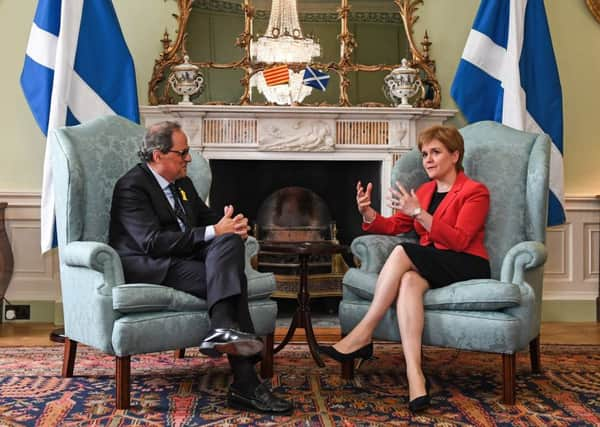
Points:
x=302 y=315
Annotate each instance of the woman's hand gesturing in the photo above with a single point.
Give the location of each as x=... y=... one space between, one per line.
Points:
x=400 y=199
x=363 y=201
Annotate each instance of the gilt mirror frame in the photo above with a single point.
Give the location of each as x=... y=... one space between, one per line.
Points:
x=174 y=51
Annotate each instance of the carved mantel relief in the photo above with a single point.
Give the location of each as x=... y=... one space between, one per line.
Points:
x=296 y=135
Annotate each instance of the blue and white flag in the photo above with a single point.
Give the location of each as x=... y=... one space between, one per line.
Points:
x=77 y=67
x=508 y=73
x=315 y=78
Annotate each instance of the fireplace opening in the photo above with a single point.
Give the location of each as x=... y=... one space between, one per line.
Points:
x=245 y=184
x=293 y=214
x=297 y=214
x=298 y=201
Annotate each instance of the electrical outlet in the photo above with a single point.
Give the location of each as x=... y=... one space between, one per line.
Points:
x=17 y=312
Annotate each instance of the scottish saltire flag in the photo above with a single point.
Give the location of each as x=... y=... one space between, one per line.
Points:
x=77 y=67
x=315 y=78
x=508 y=73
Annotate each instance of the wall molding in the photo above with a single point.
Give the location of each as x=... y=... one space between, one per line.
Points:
x=571 y=273
x=35 y=276
x=572 y=268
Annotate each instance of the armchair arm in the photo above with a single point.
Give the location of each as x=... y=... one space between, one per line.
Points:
x=260 y=285
x=89 y=271
x=523 y=265
x=373 y=250
x=252 y=248
x=95 y=256
x=520 y=258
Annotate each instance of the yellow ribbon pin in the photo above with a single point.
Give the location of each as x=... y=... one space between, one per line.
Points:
x=183 y=195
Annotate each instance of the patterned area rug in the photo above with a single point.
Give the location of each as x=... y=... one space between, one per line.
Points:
x=466 y=389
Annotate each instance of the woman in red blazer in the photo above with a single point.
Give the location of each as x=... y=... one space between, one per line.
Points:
x=449 y=214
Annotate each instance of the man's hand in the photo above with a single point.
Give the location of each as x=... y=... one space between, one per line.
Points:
x=232 y=224
x=363 y=201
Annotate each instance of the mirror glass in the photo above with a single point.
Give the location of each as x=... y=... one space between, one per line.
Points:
x=377 y=27
x=316 y=17
x=318 y=20
x=379 y=32
x=212 y=29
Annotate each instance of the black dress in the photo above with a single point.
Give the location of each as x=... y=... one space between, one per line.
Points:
x=443 y=267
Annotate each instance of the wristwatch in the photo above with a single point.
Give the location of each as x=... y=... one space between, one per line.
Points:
x=415 y=212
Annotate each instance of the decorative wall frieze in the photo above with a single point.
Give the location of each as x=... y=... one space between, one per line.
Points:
x=296 y=135
x=305 y=13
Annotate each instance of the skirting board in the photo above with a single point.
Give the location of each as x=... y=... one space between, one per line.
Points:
x=571 y=271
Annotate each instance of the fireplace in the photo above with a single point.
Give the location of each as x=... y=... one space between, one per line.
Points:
x=297 y=201
x=256 y=150
x=306 y=134
x=245 y=184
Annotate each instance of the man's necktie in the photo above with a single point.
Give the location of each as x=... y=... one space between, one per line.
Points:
x=178 y=208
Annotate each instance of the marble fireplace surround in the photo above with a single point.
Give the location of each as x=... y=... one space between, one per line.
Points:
x=236 y=132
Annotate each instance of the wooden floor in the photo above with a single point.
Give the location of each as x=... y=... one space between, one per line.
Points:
x=36 y=334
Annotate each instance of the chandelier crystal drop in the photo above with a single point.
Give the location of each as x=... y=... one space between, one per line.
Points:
x=283 y=42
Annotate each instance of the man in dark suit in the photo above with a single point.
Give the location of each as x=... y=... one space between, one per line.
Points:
x=165 y=234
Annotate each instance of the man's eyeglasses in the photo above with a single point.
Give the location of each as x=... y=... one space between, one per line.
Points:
x=183 y=153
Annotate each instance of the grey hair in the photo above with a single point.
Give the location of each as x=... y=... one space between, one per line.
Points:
x=158 y=137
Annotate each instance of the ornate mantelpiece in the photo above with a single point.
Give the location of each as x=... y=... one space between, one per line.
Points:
x=301 y=133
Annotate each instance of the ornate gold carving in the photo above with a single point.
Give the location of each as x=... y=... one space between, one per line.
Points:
x=594 y=7
x=173 y=53
x=420 y=60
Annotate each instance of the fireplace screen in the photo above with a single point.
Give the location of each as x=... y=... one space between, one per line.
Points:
x=296 y=214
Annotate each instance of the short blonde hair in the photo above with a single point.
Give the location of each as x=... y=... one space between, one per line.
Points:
x=449 y=136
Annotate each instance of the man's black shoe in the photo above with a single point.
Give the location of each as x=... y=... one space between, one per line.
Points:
x=261 y=399
x=230 y=341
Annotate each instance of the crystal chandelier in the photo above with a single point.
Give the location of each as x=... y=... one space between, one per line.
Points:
x=283 y=42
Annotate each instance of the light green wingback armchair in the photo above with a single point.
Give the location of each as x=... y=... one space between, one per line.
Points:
x=100 y=309
x=498 y=315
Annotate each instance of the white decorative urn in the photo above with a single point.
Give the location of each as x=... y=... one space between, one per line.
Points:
x=402 y=84
x=186 y=80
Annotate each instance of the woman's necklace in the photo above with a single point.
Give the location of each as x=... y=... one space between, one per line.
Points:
x=443 y=188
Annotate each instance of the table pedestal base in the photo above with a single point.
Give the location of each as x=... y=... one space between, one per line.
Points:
x=302 y=319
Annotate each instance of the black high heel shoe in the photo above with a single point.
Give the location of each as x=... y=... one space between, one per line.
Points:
x=363 y=353
x=421 y=403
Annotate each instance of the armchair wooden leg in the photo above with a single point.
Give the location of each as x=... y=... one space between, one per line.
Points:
x=534 y=354
x=179 y=353
x=69 y=358
x=348 y=369
x=509 y=363
x=122 y=379
x=266 y=365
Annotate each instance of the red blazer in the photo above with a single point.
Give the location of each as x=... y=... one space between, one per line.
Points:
x=458 y=222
